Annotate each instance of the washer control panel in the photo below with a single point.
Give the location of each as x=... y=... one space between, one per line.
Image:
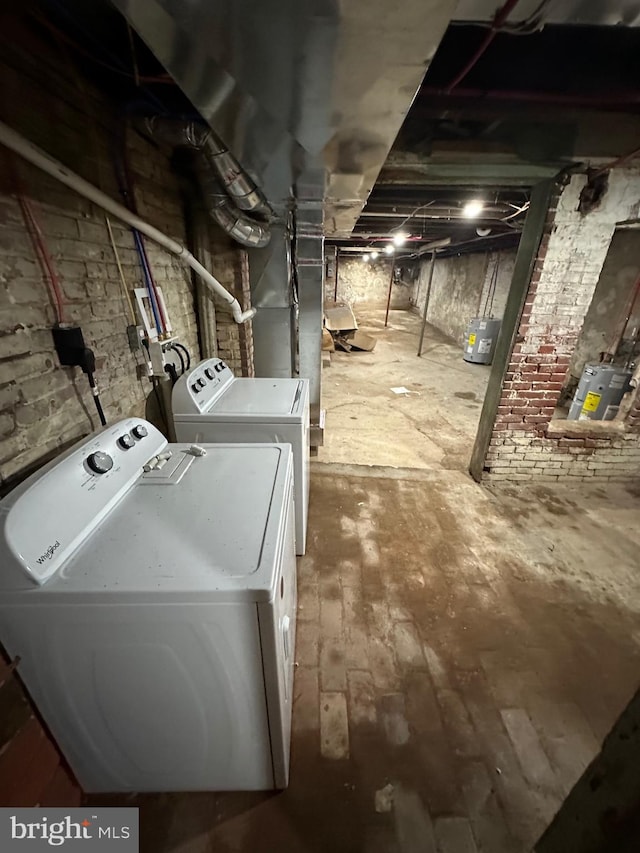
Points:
x=49 y=515
x=195 y=391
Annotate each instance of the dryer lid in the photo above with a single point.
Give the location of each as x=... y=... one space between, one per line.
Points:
x=215 y=530
x=259 y=397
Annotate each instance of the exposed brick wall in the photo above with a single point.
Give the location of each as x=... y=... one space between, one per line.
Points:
x=44 y=407
x=460 y=289
x=525 y=443
x=231 y=267
x=359 y=281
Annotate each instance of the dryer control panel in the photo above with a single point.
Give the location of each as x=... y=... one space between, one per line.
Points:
x=196 y=391
x=47 y=517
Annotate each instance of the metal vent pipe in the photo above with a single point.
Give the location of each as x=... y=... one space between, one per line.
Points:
x=228 y=189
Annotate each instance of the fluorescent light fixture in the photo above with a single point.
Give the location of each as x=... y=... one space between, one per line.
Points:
x=472 y=209
x=388 y=249
x=365 y=257
x=374 y=255
x=400 y=239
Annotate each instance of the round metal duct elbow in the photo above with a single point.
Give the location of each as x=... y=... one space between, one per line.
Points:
x=228 y=188
x=233 y=178
x=238 y=225
x=253 y=234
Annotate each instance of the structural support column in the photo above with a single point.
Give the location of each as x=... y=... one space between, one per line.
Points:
x=523 y=270
x=427 y=296
x=310 y=266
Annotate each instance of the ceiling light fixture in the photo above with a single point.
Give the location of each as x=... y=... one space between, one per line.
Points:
x=388 y=249
x=472 y=209
x=374 y=255
x=400 y=239
x=365 y=257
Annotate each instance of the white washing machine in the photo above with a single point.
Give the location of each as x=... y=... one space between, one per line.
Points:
x=210 y=404
x=154 y=611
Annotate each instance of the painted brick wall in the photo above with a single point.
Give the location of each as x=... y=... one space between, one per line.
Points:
x=230 y=265
x=460 y=290
x=360 y=282
x=44 y=407
x=526 y=443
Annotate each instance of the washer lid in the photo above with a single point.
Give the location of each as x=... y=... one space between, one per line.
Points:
x=213 y=528
x=260 y=397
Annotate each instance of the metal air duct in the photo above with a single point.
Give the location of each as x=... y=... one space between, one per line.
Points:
x=227 y=188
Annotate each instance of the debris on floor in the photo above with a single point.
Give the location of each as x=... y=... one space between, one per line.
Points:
x=327 y=341
x=400 y=389
x=362 y=341
x=340 y=318
x=341 y=326
x=384 y=799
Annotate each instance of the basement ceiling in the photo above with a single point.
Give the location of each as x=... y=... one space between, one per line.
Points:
x=532 y=103
x=542 y=96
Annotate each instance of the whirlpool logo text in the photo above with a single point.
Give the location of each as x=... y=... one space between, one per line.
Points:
x=48 y=554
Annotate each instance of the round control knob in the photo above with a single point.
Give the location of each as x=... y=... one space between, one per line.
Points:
x=209 y=373
x=195 y=388
x=201 y=383
x=100 y=462
x=139 y=431
x=126 y=441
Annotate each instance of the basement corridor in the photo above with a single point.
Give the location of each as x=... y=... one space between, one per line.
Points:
x=461 y=653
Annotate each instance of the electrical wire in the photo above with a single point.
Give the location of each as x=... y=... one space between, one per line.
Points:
x=528 y=26
x=173 y=373
x=180 y=356
x=35 y=232
x=156 y=388
x=498 y=20
x=619 y=161
x=96 y=398
x=114 y=68
x=179 y=346
x=411 y=215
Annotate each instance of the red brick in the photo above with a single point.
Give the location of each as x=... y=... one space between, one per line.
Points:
x=541 y=359
x=536 y=419
x=547 y=348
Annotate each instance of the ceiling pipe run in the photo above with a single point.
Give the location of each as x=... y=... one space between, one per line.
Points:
x=227 y=188
x=37 y=157
x=612 y=101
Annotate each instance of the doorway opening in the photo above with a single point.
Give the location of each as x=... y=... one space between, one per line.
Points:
x=424 y=280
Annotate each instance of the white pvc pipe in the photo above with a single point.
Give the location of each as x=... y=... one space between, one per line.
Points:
x=55 y=168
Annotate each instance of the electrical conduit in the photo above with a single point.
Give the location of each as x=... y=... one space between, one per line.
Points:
x=37 y=157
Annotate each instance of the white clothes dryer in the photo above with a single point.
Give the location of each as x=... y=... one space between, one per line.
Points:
x=150 y=593
x=210 y=404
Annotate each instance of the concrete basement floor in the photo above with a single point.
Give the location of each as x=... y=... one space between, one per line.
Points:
x=461 y=653
x=434 y=425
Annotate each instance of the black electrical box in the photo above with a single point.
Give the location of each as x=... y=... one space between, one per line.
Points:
x=70 y=346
